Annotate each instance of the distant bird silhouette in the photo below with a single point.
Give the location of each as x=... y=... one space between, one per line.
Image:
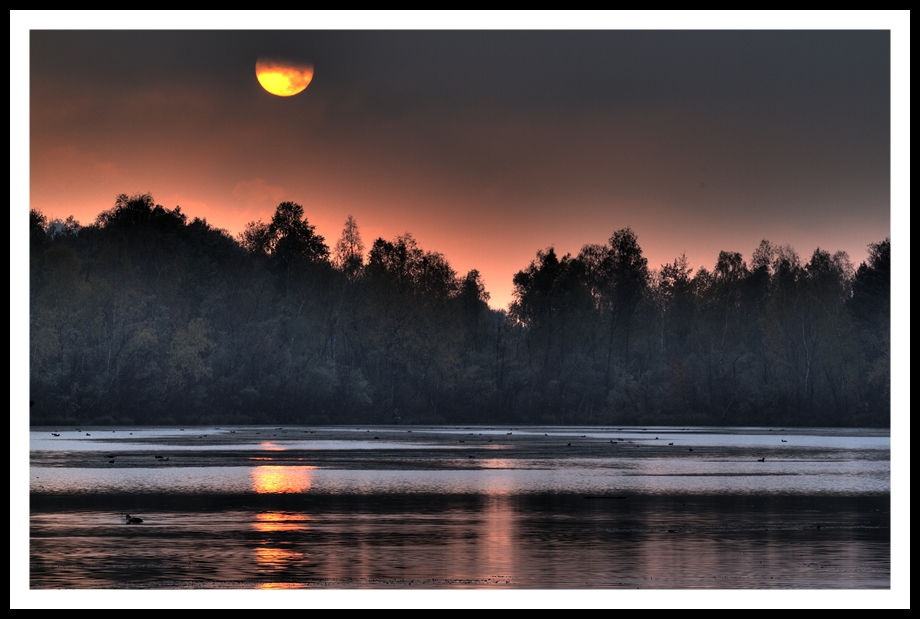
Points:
x=670 y=443
x=761 y=460
x=784 y=440
x=55 y=434
x=129 y=519
x=691 y=449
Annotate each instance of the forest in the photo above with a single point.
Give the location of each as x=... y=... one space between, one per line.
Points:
x=145 y=317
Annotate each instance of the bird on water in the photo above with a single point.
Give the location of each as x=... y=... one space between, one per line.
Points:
x=129 y=519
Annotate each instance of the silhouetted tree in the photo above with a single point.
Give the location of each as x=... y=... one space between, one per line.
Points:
x=349 y=250
x=37 y=223
x=627 y=274
x=871 y=308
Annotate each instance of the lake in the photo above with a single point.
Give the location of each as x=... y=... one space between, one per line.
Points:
x=414 y=507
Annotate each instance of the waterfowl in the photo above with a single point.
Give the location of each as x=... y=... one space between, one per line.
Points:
x=129 y=519
x=761 y=460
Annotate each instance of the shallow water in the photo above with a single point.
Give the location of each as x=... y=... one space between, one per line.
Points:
x=458 y=507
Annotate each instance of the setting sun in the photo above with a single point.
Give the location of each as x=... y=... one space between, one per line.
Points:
x=283 y=79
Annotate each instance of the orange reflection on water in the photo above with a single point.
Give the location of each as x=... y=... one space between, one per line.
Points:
x=276 y=557
x=278 y=521
x=495 y=550
x=281 y=585
x=498 y=463
x=281 y=479
x=270 y=446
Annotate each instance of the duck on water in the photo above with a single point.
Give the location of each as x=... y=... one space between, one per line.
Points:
x=129 y=519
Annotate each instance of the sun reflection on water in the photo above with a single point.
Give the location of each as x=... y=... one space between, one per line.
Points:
x=268 y=522
x=282 y=479
x=276 y=557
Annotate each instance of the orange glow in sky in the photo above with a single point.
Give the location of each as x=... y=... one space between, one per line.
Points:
x=455 y=138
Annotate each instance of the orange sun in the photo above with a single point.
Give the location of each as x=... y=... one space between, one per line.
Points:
x=282 y=78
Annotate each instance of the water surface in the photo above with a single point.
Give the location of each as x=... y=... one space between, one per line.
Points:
x=485 y=507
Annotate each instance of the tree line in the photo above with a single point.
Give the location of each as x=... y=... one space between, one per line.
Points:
x=145 y=317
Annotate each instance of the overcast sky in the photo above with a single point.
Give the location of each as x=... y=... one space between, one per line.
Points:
x=485 y=145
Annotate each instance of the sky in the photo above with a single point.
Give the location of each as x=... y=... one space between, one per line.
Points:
x=700 y=131
x=485 y=145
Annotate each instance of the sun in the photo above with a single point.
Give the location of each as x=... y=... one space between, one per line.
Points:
x=283 y=78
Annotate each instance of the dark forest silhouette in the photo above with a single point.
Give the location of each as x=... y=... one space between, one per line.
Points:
x=145 y=317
